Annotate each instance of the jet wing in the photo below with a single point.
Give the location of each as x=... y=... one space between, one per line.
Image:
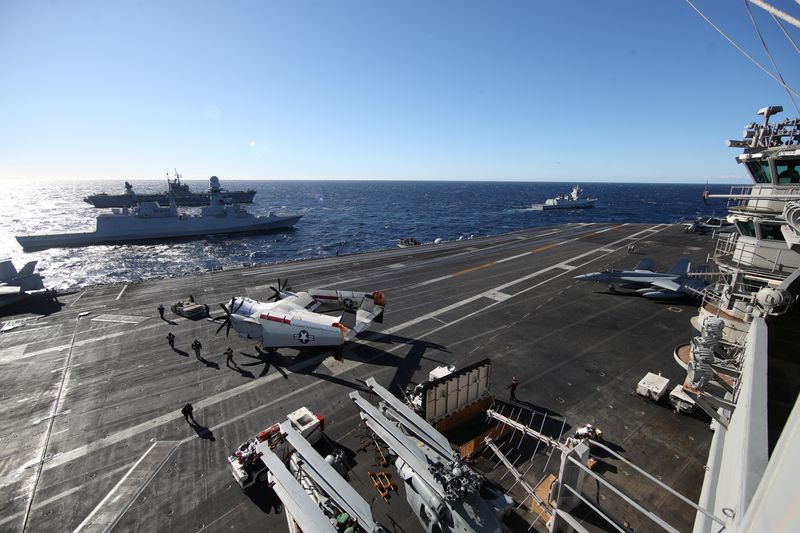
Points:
x=668 y=285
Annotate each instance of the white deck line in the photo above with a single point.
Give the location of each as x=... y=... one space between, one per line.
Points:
x=113 y=490
x=121 y=292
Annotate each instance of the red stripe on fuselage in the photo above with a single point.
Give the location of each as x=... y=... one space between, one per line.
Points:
x=282 y=320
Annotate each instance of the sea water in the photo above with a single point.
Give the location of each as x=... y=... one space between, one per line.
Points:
x=341 y=216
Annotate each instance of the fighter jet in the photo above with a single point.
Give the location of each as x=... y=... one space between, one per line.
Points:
x=14 y=285
x=644 y=280
x=296 y=319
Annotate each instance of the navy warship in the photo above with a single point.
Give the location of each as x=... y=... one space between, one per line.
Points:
x=149 y=220
x=574 y=200
x=177 y=191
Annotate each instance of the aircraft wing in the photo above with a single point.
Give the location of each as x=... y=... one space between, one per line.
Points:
x=294 y=301
x=305 y=513
x=667 y=285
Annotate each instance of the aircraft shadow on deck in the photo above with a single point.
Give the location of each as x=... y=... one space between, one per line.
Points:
x=32 y=304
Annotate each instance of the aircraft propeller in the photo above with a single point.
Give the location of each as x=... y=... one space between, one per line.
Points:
x=227 y=322
x=277 y=292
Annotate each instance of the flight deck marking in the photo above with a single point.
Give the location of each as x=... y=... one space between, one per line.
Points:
x=151 y=424
x=68 y=492
x=473 y=269
x=123 y=319
x=396 y=266
x=121 y=292
x=113 y=490
x=435 y=280
x=498 y=296
x=76 y=299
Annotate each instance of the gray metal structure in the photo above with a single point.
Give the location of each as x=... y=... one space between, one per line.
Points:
x=329 y=481
x=441 y=489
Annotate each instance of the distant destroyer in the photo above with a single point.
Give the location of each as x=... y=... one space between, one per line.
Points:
x=573 y=200
x=178 y=191
x=149 y=221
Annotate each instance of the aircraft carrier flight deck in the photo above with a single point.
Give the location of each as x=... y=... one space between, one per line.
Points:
x=90 y=421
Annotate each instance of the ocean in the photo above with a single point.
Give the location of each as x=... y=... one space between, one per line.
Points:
x=344 y=216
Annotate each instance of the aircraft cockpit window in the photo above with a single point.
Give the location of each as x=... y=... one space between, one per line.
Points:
x=788 y=171
x=771 y=232
x=760 y=171
x=746 y=227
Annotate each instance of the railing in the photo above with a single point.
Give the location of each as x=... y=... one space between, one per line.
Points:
x=750 y=258
x=767 y=198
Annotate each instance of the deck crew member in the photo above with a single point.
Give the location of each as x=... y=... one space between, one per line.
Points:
x=171 y=340
x=188 y=412
x=196 y=346
x=513 y=388
x=229 y=357
x=161 y=311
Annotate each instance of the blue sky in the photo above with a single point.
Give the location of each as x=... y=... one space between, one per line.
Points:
x=488 y=90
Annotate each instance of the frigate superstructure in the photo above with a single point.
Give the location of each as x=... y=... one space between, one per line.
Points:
x=150 y=220
x=176 y=190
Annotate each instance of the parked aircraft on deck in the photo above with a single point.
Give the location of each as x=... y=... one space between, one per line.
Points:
x=14 y=286
x=644 y=280
x=296 y=319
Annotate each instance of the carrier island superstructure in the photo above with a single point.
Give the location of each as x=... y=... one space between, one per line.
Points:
x=742 y=369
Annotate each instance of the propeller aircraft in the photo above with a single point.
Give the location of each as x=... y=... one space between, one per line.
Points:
x=297 y=319
x=644 y=280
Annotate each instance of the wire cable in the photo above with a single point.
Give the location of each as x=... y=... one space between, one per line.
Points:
x=748 y=56
x=769 y=55
x=777 y=12
x=778 y=22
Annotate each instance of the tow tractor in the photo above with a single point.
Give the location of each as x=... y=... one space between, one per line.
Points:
x=246 y=464
x=190 y=310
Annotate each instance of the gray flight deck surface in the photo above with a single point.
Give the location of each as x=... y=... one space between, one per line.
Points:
x=118 y=452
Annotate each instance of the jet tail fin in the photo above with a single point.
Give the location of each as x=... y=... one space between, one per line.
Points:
x=7 y=270
x=28 y=269
x=681 y=267
x=645 y=264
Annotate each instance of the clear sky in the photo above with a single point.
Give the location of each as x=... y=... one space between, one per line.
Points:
x=491 y=90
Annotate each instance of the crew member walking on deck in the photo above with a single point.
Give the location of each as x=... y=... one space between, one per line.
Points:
x=229 y=357
x=161 y=311
x=171 y=340
x=188 y=412
x=196 y=346
x=513 y=388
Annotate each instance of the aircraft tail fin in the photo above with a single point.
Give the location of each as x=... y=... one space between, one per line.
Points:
x=28 y=269
x=681 y=267
x=645 y=264
x=370 y=310
x=7 y=271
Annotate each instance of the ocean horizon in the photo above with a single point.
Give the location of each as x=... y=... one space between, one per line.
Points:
x=344 y=216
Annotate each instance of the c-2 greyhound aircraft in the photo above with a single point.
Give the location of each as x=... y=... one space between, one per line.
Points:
x=644 y=280
x=296 y=319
